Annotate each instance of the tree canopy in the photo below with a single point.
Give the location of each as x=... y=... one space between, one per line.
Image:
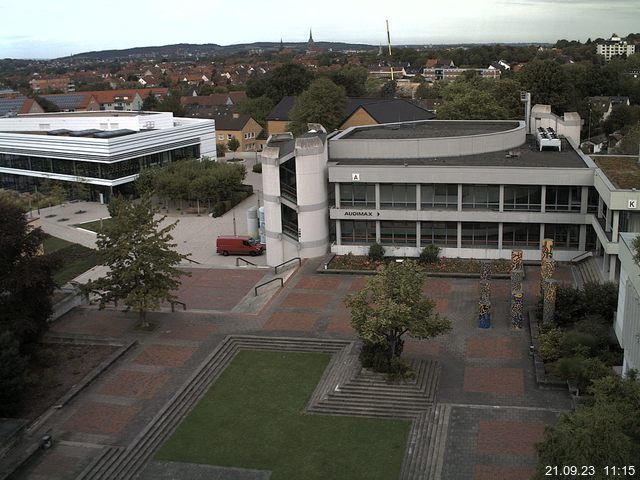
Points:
x=604 y=434
x=353 y=79
x=476 y=98
x=323 y=102
x=26 y=280
x=257 y=108
x=548 y=83
x=288 y=80
x=393 y=304
x=141 y=259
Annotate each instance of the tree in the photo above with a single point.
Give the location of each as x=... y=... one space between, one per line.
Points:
x=12 y=369
x=548 y=83
x=141 y=259
x=257 y=108
x=389 y=89
x=288 y=80
x=636 y=246
x=391 y=305
x=353 y=79
x=323 y=102
x=630 y=144
x=233 y=144
x=604 y=434
x=471 y=99
x=26 y=280
x=150 y=103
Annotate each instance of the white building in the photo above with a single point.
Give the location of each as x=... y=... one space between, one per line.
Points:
x=105 y=150
x=615 y=46
x=627 y=322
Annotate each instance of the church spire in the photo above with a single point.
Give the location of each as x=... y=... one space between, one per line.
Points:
x=310 y=37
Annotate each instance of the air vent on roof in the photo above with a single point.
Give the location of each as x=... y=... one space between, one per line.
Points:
x=547 y=138
x=513 y=154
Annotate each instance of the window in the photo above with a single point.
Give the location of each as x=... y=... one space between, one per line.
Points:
x=398 y=196
x=483 y=235
x=522 y=197
x=221 y=137
x=520 y=235
x=563 y=199
x=480 y=197
x=563 y=236
x=357 y=195
x=592 y=200
x=289 y=222
x=398 y=233
x=440 y=196
x=443 y=234
x=229 y=136
x=357 y=232
x=288 y=180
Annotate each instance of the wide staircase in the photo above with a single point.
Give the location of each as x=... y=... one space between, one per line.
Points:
x=590 y=271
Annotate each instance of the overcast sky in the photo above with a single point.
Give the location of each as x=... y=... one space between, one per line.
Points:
x=49 y=29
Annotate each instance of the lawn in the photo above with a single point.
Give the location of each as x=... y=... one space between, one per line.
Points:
x=95 y=225
x=75 y=259
x=253 y=417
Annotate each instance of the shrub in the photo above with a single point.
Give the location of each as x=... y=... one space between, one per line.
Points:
x=429 y=254
x=218 y=209
x=257 y=168
x=580 y=343
x=600 y=299
x=376 y=357
x=582 y=371
x=549 y=346
x=376 y=252
x=569 y=305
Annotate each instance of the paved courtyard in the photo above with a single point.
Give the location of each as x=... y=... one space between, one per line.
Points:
x=496 y=412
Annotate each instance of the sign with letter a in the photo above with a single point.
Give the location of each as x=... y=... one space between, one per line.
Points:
x=355 y=177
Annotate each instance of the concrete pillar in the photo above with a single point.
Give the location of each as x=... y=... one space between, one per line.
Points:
x=459 y=242
x=377 y=196
x=543 y=198
x=613 y=261
x=272 y=210
x=418 y=240
x=337 y=194
x=500 y=230
x=615 y=225
x=584 y=200
x=418 y=198
x=501 y=199
x=582 y=238
x=377 y=231
x=607 y=224
x=338 y=232
x=459 y=199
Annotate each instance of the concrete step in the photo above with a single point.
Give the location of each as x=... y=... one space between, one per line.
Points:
x=367 y=411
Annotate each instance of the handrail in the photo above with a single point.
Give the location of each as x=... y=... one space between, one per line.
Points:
x=255 y=290
x=275 y=269
x=173 y=305
x=245 y=261
x=581 y=257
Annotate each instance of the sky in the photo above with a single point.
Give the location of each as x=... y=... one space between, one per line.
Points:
x=50 y=29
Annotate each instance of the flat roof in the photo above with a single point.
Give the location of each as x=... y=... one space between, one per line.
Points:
x=97 y=113
x=527 y=155
x=622 y=171
x=429 y=129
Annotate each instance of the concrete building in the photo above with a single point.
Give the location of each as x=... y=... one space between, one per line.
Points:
x=627 y=321
x=477 y=189
x=105 y=150
x=615 y=46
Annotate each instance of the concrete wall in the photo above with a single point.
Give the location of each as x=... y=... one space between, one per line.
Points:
x=428 y=147
x=568 y=125
x=271 y=197
x=627 y=321
x=359 y=117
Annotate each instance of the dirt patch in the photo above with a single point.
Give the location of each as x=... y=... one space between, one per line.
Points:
x=54 y=369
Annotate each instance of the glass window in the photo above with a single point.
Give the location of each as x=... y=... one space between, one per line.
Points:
x=357 y=232
x=484 y=235
x=357 y=195
x=592 y=200
x=563 y=236
x=440 y=196
x=289 y=222
x=522 y=197
x=398 y=233
x=521 y=235
x=563 y=199
x=443 y=234
x=398 y=195
x=480 y=197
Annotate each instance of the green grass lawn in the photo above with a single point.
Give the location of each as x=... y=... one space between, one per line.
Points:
x=94 y=226
x=76 y=259
x=253 y=417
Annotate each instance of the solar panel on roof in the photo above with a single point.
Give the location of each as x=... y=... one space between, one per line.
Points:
x=8 y=105
x=84 y=133
x=59 y=131
x=65 y=102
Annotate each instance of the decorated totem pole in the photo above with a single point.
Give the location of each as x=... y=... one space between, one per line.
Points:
x=548 y=287
x=517 y=290
x=484 y=305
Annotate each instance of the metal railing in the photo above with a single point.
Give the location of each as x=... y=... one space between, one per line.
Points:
x=275 y=269
x=240 y=259
x=255 y=290
x=582 y=256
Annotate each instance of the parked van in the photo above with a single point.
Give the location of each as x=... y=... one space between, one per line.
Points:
x=238 y=245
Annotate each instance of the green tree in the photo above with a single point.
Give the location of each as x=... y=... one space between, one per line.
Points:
x=604 y=434
x=470 y=100
x=150 y=103
x=323 y=102
x=221 y=149
x=12 y=369
x=389 y=89
x=26 y=280
x=287 y=80
x=141 y=259
x=233 y=144
x=630 y=144
x=636 y=246
x=353 y=78
x=391 y=305
x=257 y=108
x=548 y=83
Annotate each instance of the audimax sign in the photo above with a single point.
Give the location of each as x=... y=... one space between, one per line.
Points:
x=361 y=213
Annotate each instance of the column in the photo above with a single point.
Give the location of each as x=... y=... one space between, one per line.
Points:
x=584 y=200
x=378 y=200
x=338 y=232
x=418 y=239
x=459 y=199
x=459 y=243
x=613 y=260
x=582 y=239
x=543 y=198
x=337 y=194
x=378 y=231
x=418 y=198
x=501 y=199
x=615 y=225
x=500 y=229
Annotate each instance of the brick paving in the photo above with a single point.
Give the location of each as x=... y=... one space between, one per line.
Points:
x=128 y=383
x=497 y=415
x=164 y=355
x=100 y=418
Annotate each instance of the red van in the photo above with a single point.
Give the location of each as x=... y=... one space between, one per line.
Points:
x=238 y=245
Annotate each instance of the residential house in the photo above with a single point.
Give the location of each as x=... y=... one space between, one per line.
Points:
x=43 y=85
x=10 y=106
x=606 y=104
x=615 y=46
x=215 y=99
x=241 y=127
x=126 y=100
x=358 y=111
x=74 y=102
